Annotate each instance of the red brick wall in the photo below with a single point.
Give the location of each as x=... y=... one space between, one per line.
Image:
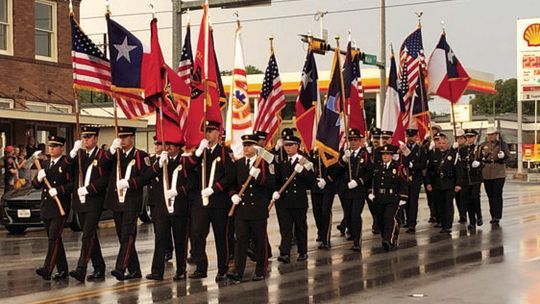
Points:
x=36 y=76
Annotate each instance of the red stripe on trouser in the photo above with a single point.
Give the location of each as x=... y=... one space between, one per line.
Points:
x=52 y=262
x=265 y=269
x=329 y=229
x=186 y=242
x=128 y=250
x=394 y=227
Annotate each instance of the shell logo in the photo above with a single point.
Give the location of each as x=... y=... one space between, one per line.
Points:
x=532 y=34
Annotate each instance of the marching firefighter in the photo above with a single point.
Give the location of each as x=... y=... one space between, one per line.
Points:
x=416 y=161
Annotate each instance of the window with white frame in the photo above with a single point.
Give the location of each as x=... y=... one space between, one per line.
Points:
x=45 y=26
x=6 y=103
x=56 y=108
x=36 y=106
x=6 y=17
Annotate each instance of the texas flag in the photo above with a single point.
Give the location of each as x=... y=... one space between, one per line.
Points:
x=447 y=77
x=393 y=112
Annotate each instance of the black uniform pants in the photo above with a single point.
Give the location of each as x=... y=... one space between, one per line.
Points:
x=470 y=195
x=411 y=209
x=431 y=204
x=126 y=230
x=322 y=212
x=445 y=207
x=494 y=191
x=288 y=218
x=356 y=206
x=386 y=218
x=165 y=226
x=460 y=205
x=256 y=230
x=90 y=249
x=201 y=218
x=56 y=255
x=345 y=205
x=373 y=211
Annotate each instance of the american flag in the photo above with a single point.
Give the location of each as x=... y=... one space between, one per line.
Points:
x=185 y=70
x=271 y=101
x=92 y=71
x=412 y=61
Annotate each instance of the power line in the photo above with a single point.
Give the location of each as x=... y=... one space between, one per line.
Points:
x=302 y=14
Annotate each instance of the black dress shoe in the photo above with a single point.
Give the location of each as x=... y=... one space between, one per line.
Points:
x=302 y=257
x=341 y=230
x=118 y=274
x=355 y=248
x=324 y=245
x=43 y=273
x=479 y=222
x=133 y=275
x=61 y=275
x=386 y=246
x=471 y=227
x=220 y=277
x=411 y=230
x=462 y=220
x=153 y=276
x=234 y=278
x=257 y=277
x=284 y=259
x=168 y=256
x=179 y=276
x=375 y=231
x=78 y=275
x=197 y=275
x=96 y=276
x=438 y=225
x=319 y=239
x=431 y=220
x=444 y=230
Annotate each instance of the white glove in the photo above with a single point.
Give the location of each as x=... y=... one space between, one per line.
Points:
x=122 y=184
x=275 y=196
x=369 y=149
x=455 y=145
x=171 y=193
x=163 y=157
x=431 y=145
x=411 y=165
x=203 y=145
x=371 y=196
x=254 y=172
x=82 y=191
x=404 y=149
x=500 y=154
x=236 y=199
x=206 y=192
x=36 y=154
x=321 y=183
x=402 y=203
x=41 y=175
x=395 y=157
x=76 y=147
x=475 y=164
x=346 y=156
x=53 y=192
x=298 y=168
x=116 y=144
x=279 y=144
x=352 y=184
x=309 y=166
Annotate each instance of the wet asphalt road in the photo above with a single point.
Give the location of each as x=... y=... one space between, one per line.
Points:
x=493 y=265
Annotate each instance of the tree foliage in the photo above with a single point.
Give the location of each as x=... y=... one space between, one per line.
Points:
x=505 y=100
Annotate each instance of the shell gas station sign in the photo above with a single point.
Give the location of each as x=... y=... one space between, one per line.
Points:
x=528 y=61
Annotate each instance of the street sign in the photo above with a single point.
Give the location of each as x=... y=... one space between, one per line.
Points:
x=370 y=59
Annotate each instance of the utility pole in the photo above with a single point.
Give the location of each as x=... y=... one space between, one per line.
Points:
x=382 y=68
x=177 y=32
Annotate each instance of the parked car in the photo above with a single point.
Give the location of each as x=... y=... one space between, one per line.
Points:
x=19 y=210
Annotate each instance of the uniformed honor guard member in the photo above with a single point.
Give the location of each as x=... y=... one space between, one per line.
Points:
x=213 y=203
x=462 y=209
x=170 y=212
x=355 y=183
x=278 y=148
x=429 y=145
x=251 y=214
x=441 y=180
x=60 y=176
x=375 y=143
x=292 y=204
x=494 y=153
x=388 y=188
x=88 y=199
x=470 y=178
x=125 y=198
x=416 y=160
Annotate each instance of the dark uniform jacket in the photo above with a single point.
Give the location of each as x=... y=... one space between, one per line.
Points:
x=361 y=169
x=467 y=175
x=137 y=180
x=441 y=172
x=100 y=163
x=295 y=195
x=254 y=204
x=418 y=159
x=389 y=186
x=329 y=174
x=60 y=176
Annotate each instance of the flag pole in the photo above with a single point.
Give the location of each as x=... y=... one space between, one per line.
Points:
x=342 y=93
x=450 y=92
x=268 y=142
x=205 y=85
x=317 y=117
x=421 y=75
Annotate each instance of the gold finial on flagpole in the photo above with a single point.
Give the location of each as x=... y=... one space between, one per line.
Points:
x=71 y=8
x=419 y=16
x=152 y=8
x=107 y=8
x=443 y=27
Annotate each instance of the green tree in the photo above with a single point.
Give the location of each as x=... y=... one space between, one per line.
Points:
x=504 y=100
x=92 y=97
x=250 y=69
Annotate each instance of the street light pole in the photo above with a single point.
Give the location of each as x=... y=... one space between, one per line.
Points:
x=177 y=32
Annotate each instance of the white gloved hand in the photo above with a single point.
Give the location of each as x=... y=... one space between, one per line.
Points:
x=171 y=193
x=279 y=144
x=404 y=149
x=116 y=144
x=346 y=156
x=352 y=184
x=402 y=203
x=206 y=192
x=298 y=168
x=236 y=199
x=411 y=165
x=41 y=175
x=53 y=192
x=122 y=184
x=275 y=196
x=371 y=196
x=395 y=157
x=76 y=147
x=321 y=183
x=431 y=145
x=309 y=166
x=500 y=154
x=163 y=158
x=254 y=172
x=202 y=145
x=369 y=149
x=455 y=145
x=475 y=164
x=82 y=191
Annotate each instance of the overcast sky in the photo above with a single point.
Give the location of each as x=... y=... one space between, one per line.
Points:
x=481 y=32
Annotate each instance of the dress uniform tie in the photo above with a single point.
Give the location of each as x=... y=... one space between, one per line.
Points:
x=52 y=164
x=247 y=162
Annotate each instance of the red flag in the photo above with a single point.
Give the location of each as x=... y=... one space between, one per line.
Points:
x=152 y=65
x=354 y=93
x=308 y=97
